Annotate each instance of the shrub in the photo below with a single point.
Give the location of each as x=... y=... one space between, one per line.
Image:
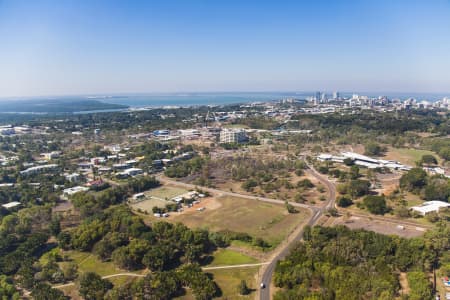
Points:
x=243 y=288
x=344 y=201
x=375 y=204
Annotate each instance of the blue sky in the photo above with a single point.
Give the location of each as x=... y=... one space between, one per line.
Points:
x=104 y=47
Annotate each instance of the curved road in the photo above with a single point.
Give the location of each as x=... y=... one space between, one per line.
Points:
x=315 y=212
x=266 y=277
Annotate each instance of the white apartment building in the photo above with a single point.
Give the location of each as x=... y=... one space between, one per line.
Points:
x=233 y=136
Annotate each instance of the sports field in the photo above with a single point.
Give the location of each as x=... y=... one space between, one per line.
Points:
x=166 y=192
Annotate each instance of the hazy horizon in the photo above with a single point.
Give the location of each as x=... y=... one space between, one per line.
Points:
x=287 y=93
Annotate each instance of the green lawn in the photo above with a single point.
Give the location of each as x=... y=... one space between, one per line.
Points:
x=164 y=192
x=88 y=262
x=407 y=155
x=225 y=257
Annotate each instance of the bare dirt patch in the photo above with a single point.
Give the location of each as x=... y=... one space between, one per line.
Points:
x=378 y=226
x=404 y=285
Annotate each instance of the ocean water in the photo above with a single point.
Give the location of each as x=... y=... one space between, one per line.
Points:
x=191 y=99
x=196 y=99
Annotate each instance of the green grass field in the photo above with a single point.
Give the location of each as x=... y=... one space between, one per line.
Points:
x=225 y=257
x=88 y=262
x=166 y=192
x=407 y=156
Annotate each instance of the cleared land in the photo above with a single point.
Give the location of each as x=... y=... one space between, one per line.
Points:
x=268 y=221
x=379 y=226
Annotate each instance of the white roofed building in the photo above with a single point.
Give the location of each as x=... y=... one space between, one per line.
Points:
x=430 y=206
x=10 y=205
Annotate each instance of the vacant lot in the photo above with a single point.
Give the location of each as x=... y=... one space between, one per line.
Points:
x=268 y=221
x=380 y=226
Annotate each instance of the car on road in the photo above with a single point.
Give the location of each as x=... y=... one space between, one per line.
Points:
x=262 y=285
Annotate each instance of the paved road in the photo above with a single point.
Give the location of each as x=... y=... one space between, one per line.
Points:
x=315 y=214
x=266 y=277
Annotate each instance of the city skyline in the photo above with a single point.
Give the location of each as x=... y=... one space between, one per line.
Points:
x=81 y=48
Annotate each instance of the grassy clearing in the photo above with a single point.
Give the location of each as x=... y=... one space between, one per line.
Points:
x=71 y=292
x=90 y=263
x=268 y=221
x=228 y=281
x=407 y=156
x=166 y=192
x=225 y=257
